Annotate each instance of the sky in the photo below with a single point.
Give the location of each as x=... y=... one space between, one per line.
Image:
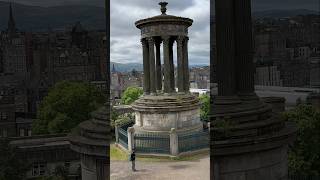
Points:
x=125 y=37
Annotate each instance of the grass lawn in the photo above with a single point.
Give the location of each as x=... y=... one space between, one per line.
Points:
x=117 y=154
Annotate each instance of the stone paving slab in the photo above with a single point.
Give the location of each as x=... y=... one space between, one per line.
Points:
x=177 y=170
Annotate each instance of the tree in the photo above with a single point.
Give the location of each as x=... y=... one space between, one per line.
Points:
x=131 y=94
x=11 y=167
x=67 y=104
x=205 y=107
x=304 y=156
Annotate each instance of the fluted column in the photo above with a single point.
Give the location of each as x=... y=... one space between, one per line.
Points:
x=244 y=47
x=146 y=67
x=172 y=79
x=186 y=65
x=166 y=59
x=225 y=48
x=158 y=67
x=151 y=43
x=180 y=64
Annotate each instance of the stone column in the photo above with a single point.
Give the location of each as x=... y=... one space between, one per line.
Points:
x=172 y=78
x=166 y=59
x=186 y=65
x=130 y=132
x=225 y=48
x=244 y=47
x=151 y=43
x=158 y=67
x=174 y=146
x=146 y=67
x=180 y=63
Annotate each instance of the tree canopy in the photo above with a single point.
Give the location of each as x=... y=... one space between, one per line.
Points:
x=66 y=105
x=304 y=156
x=131 y=94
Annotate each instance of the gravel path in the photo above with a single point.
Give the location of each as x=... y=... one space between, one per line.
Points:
x=177 y=170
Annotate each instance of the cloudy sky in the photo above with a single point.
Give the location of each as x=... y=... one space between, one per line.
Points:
x=125 y=37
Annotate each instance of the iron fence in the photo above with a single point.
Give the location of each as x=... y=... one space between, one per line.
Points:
x=152 y=143
x=193 y=141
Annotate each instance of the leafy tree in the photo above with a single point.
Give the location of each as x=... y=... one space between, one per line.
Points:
x=304 y=156
x=131 y=94
x=205 y=107
x=67 y=104
x=11 y=167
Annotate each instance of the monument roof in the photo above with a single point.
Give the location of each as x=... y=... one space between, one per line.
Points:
x=163 y=19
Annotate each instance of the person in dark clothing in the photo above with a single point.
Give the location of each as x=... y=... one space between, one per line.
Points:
x=133 y=159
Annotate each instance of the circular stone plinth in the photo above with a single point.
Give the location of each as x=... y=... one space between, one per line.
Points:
x=163 y=112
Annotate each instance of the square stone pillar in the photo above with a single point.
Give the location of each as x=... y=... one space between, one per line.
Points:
x=174 y=144
x=116 y=131
x=130 y=132
x=146 y=66
x=151 y=43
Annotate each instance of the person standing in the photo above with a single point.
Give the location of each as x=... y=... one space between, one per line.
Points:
x=133 y=159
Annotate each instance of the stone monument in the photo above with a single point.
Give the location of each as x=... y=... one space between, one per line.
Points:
x=248 y=141
x=162 y=109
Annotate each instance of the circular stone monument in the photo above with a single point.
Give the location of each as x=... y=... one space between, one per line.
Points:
x=162 y=108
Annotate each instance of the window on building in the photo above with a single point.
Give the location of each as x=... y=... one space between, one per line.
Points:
x=4 y=133
x=29 y=133
x=21 y=132
x=3 y=116
x=39 y=169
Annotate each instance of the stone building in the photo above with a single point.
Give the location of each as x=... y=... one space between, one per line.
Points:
x=45 y=154
x=267 y=75
x=7 y=116
x=200 y=77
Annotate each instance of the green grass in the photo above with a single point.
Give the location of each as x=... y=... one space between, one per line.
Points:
x=117 y=154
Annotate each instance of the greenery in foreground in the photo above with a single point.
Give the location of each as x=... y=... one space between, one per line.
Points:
x=131 y=94
x=304 y=156
x=205 y=107
x=67 y=104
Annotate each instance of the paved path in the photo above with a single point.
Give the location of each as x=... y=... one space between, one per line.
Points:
x=176 y=170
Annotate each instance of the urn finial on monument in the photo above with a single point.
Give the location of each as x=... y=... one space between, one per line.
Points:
x=163 y=7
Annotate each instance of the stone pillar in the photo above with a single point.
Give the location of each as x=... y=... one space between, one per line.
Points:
x=116 y=131
x=244 y=47
x=180 y=62
x=146 y=67
x=225 y=48
x=158 y=67
x=151 y=43
x=130 y=132
x=186 y=65
x=174 y=146
x=166 y=59
x=172 y=79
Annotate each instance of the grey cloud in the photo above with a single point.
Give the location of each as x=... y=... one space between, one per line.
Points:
x=125 y=12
